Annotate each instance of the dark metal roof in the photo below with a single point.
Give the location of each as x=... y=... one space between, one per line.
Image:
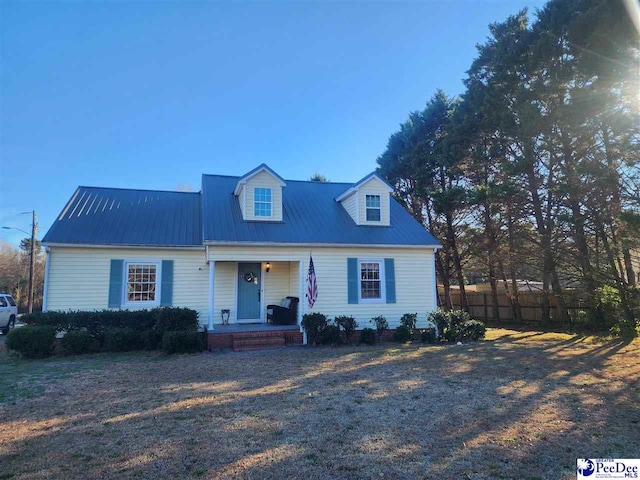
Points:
x=113 y=216
x=310 y=215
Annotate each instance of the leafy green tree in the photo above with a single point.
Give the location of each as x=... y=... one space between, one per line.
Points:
x=535 y=171
x=419 y=162
x=318 y=177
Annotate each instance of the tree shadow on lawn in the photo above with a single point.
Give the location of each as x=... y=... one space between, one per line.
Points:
x=502 y=409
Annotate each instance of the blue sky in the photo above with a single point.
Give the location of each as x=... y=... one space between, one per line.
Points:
x=153 y=94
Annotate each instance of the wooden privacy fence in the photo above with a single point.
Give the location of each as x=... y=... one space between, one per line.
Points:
x=481 y=306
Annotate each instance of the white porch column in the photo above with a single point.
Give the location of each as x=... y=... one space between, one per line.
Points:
x=212 y=279
x=435 y=282
x=435 y=289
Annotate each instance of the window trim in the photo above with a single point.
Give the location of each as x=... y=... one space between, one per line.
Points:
x=378 y=208
x=256 y=202
x=125 y=282
x=383 y=281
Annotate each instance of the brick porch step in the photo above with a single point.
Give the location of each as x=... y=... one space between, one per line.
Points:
x=243 y=343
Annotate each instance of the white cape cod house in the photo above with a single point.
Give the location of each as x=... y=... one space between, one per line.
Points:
x=240 y=246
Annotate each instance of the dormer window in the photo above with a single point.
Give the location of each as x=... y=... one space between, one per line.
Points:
x=262 y=202
x=373 y=208
x=259 y=195
x=368 y=201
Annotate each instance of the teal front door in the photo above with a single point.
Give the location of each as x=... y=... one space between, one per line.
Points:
x=249 y=292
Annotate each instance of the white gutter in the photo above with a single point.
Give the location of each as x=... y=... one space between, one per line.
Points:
x=146 y=247
x=318 y=245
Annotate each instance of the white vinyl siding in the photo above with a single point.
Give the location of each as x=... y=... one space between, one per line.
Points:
x=263 y=180
x=241 y=199
x=225 y=291
x=79 y=277
x=277 y=283
x=414 y=276
x=350 y=205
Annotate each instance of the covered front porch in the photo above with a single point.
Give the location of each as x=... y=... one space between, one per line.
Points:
x=242 y=295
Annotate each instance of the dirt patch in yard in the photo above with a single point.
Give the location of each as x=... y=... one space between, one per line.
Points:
x=520 y=405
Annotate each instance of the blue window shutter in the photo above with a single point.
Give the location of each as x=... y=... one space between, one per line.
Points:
x=115 y=284
x=352 y=279
x=390 y=279
x=166 y=292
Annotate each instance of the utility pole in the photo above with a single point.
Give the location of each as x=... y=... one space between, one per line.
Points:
x=32 y=261
x=32 y=255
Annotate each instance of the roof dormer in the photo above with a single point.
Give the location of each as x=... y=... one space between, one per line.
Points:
x=368 y=201
x=259 y=193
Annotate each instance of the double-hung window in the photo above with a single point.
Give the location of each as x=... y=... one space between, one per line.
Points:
x=371 y=284
x=262 y=202
x=373 y=208
x=142 y=283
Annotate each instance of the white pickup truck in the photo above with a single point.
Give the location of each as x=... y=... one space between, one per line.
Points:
x=8 y=313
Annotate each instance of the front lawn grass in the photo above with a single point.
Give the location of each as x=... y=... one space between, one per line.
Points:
x=518 y=405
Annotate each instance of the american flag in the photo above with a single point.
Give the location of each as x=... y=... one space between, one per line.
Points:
x=312 y=286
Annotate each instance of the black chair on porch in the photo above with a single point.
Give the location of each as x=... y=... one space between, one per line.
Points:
x=286 y=313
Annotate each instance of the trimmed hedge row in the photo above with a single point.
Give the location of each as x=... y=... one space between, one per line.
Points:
x=159 y=320
x=39 y=341
x=175 y=330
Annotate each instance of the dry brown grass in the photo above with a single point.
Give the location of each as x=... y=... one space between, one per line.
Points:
x=520 y=405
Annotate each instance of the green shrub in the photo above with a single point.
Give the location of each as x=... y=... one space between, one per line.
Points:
x=170 y=319
x=150 y=339
x=409 y=320
x=453 y=324
x=32 y=341
x=472 y=330
x=77 y=342
x=331 y=335
x=626 y=329
x=381 y=324
x=440 y=319
x=428 y=335
x=122 y=340
x=182 y=341
x=348 y=325
x=457 y=319
x=368 y=336
x=314 y=324
x=402 y=334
